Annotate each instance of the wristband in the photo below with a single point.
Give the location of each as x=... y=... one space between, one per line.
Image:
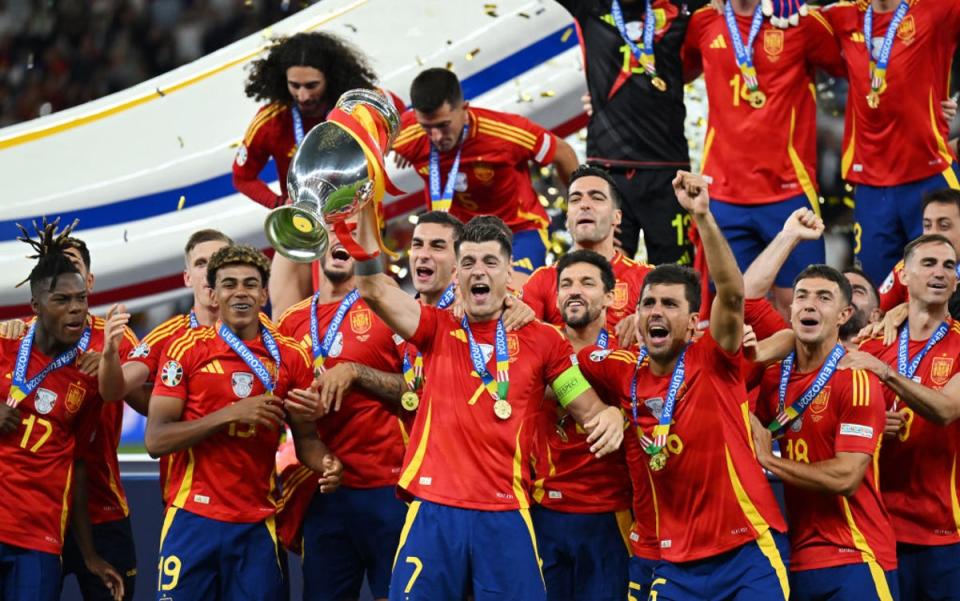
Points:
x=369 y=267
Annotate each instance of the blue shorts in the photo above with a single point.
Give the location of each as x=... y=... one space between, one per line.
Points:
x=929 y=572
x=584 y=554
x=756 y=571
x=529 y=250
x=114 y=543
x=349 y=534
x=750 y=228
x=889 y=217
x=448 y=552
x=641 y=575
x=853 y=582
x=28 y=575
x=207 y=559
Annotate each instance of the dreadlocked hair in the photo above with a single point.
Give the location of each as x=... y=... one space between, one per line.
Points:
x=48 y=246
x=343 y=66
x=238 y=254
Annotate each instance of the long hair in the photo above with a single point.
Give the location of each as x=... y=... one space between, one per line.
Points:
x=48 y=247
x=343 y=66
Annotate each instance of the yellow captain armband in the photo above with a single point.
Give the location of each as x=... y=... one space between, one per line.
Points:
x=569 y=385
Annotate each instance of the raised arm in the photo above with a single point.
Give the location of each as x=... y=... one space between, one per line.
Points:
x=564 y=161
x=802 y=224
x=726 y=315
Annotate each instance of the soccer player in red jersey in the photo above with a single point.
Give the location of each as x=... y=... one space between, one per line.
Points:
x=476 y=161
x=593 y=214
x=52 y=409
x=718 y=524
x=760 y=150
x=353 y=533
x=841 y=540
x=468 y=528
x=941 y=215
x=895 y=136
x=218 y=399
x=918 y=462
x=300 y=79
x=582 y=511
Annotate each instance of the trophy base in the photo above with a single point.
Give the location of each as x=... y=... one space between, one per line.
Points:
x=296 y=234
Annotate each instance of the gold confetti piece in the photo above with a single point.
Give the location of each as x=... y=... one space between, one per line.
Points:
x=183 y=200
x=492 y=13
x=566 y=34
x=472 y=54
x=449 y=66
x=179 y=139
x=489 y=7
x=525 y=97
x=547 y=94
x=420 y=61
x=524 y=15
x=124 y=235
x=352 y=28
x=160 y=93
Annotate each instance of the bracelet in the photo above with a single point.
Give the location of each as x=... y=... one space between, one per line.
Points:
x=369 y=267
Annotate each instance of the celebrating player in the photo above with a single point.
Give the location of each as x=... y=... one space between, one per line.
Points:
x=922 y=389
x=300 y=79
x=865 y=299
x=218 y=400
x=582 y=510
x=631 y=54
x=468 y=527
x=476 y=161
x=52 y=409
x=593 y=213
x=841 y=539
x=897 y=55
x=352 y=533
x=720 y=540
x=760 y=149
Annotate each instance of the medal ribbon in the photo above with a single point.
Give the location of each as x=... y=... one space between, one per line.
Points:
x=878 y=68
x=744 y=54
x=644 y=55
x=194 y=322
x=413 y=374
x=322 y=349
x=603 y=339
x=21 y=388
x=259 y=369
x=903 y=349
x=443 y=201
x=788 y=414
x=297 y=125
x=499 y=390
x=662 y=430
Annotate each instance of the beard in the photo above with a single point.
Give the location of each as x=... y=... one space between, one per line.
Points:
x=582 y=320
x=853 y=325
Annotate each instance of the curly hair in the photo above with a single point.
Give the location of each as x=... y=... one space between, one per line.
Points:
x=48 y=246
x=238 y=254
x=343 y=66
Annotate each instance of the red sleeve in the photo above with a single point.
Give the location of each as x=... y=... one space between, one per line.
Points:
x=892 y=291
x=429 y=322
x=561 y=355
x=545 y=146
x=713 y=355
x=823 y=50
x=301 y=372
x=252 y=156
x=759 y=314
x=862 y=417
x=766 y=403
x=690 y=51
x=534 y=295
x=594 y=365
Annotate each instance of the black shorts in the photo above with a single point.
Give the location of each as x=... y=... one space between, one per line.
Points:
x=649 y=204
x=114 y=543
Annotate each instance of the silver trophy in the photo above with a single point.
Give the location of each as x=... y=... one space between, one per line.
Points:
x=329 y=177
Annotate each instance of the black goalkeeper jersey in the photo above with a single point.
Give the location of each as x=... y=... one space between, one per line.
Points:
x=634 y=125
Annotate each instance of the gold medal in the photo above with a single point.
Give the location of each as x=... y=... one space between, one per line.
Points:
x=409 y=400
x=502 y=409
x=873 y=99
x=658 y=461
x=757 y=99
x=659 y=84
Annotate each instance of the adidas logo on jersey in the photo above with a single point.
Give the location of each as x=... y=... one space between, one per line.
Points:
x=718 y=42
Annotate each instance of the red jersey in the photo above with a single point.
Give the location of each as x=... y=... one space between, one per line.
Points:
x=494 y=173
x=893 y=292
x=460 y=453
x=918 y=467
x=228 y=476
x=540 y=291
x=569 y=477
x=366 y=435
x=766 y=321
x=106 y=499
x=712 y=495
x=57 y=421
x=749 y=160
x=846 y=417
x=904 y=138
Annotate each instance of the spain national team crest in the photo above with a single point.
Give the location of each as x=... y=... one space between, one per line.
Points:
x=773 y=43
x=819 y=404
x=361 y=321
x=483 y=172
x=44 y=400
x=242 y=383
x=940 y=370
x=171 y=374
x=513 y=345
x=907 y=30
x=75 y=395
x=620 y=293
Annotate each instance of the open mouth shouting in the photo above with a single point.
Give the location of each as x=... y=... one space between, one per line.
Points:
x=423 y=273
x=480 y=292
x=658 y=334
